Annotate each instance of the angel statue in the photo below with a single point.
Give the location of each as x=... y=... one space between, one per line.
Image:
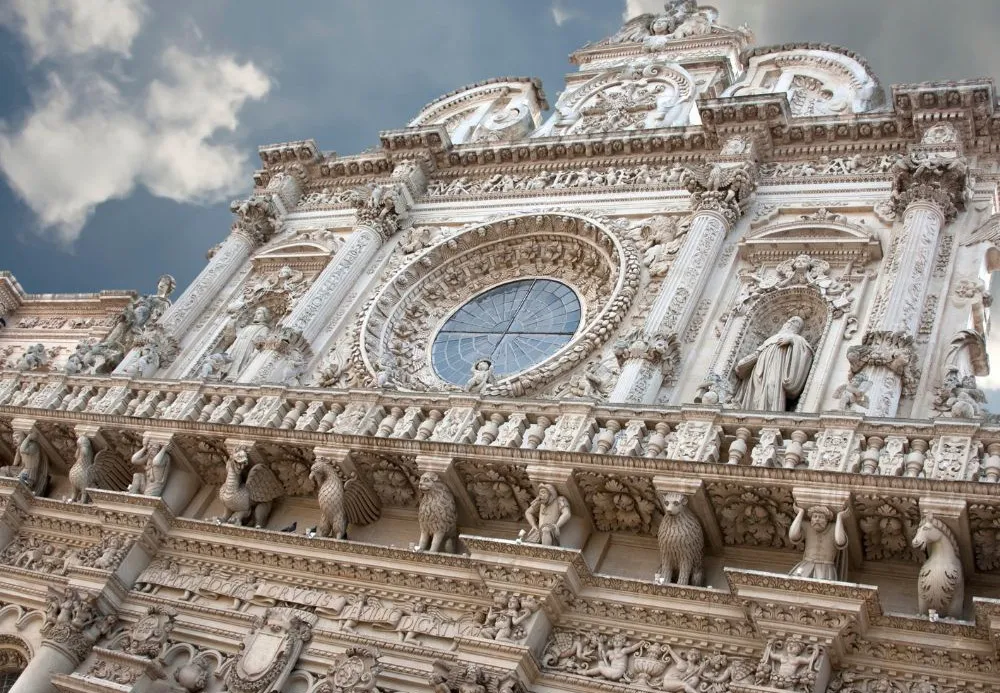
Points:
x=644 y=26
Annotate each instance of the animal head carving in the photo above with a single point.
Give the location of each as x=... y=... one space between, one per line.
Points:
x=429 y=480
x=674 y=503
x=931 y=531
x=321 y=470
x=240 y=460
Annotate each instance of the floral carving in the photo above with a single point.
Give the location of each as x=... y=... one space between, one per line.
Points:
x=887 y=525
x=985 y=524
x=620 y=503
x=393 y=479
x=499 y=492
x=759 y=516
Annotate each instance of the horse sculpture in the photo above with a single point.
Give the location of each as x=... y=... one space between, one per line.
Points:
x=941 y=585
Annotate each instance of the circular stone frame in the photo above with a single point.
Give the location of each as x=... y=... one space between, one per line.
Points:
x=591 y=256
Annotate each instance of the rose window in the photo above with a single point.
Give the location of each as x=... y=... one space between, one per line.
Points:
x=514 y=326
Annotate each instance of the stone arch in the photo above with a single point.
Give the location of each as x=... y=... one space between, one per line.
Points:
x=590 y=255
x=497 y=109
x=644 y=94
x=818 y=79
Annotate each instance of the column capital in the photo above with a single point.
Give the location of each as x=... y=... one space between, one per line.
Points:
x=74 y=621
x=659 y=349
x=724 y=188
x=933 y=173
x=383 y=207
x=887 y=349
x=256 y=219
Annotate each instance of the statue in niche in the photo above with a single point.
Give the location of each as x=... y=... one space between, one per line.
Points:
x=243 y=343
x=547 y=514
x=823 y=542
x=482 y=376
x=772 y=377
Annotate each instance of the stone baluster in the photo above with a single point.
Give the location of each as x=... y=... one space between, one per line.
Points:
x=928 y=191
x=378 y=217
x=738 y=448
x=719 y=195
x=991 y=464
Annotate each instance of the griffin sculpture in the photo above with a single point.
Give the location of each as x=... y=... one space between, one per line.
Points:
x=252 y=497
x=103 y=470
x=340 y=502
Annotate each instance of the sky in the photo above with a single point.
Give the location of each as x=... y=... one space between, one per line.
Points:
x=127 y=126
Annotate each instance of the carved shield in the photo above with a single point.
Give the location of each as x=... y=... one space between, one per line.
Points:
x=262 y=653
x=145 y=628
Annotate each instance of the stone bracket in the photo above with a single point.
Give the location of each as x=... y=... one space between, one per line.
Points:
x=954 y=513
x=444 y=467
x=836 y=500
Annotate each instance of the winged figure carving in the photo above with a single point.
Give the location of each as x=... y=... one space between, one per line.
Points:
x=248 y=494
x=341 y=503
x=104 y=469
x=736 y=182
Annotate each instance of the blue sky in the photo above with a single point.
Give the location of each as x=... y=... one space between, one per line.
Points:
x=126 y=126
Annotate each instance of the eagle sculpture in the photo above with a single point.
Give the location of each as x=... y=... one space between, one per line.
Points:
x=103 y=470
x=735 y=182
x=340 y=502
x=252 y=497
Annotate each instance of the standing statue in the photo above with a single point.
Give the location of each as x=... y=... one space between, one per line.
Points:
x=29 y=462
x=437 y=515
x=547 y=514
x=941 y=585
x=682 y=543
x=823 y=542
x=251 y=498
x=244 y=343
x=775 y=373
x=153 y=465
x=339 y=502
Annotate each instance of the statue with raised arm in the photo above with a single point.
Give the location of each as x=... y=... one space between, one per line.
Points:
x=774 y=374
x=823 y=542
x=29 y=462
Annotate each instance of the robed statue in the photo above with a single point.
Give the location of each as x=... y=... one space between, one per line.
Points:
x=245 y=341
x=775 y=373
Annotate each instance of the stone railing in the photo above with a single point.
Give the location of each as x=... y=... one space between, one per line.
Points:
x=945 y=449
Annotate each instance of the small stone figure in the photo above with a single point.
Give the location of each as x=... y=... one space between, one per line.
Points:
x=612 y=663
x=34 y=358
x=682 y=543
x=773 y=375
x=437 y=515
x=941 y=585
x=823 y=542
x=482 y=376
x=853 y=395
x=153 y=463
x=29 y=463
x=83 y=473
x=251 y=498
x=547 y=514
x=339 y=502
x=504 y=619
x=788 y=665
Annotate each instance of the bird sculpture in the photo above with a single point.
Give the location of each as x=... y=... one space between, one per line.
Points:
x=248 y=494
x=83 y=473
x=340 y=502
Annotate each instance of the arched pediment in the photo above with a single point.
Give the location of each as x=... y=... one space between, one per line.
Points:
x=823 y=234
x=819 y=79
x=495 y=110
x=305 y=256
x=643 y=94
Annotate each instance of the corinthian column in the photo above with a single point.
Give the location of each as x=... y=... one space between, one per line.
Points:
x=928 y=191
x=719 y=194
x=379 y=214
x=73 y=623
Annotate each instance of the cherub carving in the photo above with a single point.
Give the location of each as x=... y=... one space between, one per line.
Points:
x=612 y=662
x=853 y=395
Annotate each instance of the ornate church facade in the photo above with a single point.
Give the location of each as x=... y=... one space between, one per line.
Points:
x=673 y=389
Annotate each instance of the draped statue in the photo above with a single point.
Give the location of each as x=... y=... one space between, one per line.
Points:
x=776 y=371
x=246 y=341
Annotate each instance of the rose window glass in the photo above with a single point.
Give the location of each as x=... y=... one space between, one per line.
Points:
x=515 y=326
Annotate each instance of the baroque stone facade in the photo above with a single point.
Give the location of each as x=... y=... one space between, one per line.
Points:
x=674 y=389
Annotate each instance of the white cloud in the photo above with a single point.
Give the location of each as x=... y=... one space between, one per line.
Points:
x=634 y=8
x=562 y=14
x=93 y=137
x=55 y=28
